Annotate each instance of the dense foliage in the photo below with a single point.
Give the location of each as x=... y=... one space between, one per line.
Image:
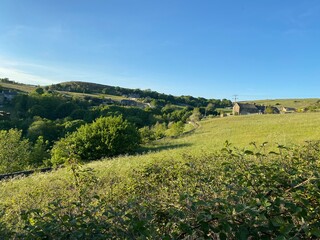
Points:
x=45 y=115
x=14 y=151
x=159 y=98
x=233 y=194
x=105 y=137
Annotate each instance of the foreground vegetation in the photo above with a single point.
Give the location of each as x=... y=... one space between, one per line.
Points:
x=184 y=188
x=233 y=194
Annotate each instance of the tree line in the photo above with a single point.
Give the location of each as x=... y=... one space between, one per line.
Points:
x=145 y=95
x=45 y=127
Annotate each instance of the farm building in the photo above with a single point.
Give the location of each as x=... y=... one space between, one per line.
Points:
x=7 y=96
x=252 y=108
x=287 y=110
x=247 y=108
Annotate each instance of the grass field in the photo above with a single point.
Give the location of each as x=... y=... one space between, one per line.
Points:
x=82 y=95
x=31 y=88
x=286 y=129
x=294 y=103
x=19 y=87
x=37 y=191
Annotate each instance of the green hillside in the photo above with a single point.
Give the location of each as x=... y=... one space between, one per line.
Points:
x=19 y=87
x=172 y=177
x=293 y=103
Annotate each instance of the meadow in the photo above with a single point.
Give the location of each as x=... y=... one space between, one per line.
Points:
x=171 y=177
x=293 y=103
x=19 y=87
x=30 y=88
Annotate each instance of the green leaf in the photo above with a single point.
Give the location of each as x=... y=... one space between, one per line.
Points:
x=277 y=221
x=248 y=152
x=315 y=232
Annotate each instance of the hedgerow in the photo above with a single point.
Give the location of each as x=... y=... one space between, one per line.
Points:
x=233 y=194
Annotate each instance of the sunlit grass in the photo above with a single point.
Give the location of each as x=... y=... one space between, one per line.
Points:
x=19 y=87
x=295 y=103
x=39 y=189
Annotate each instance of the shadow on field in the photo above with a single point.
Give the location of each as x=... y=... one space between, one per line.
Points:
x=157 y=148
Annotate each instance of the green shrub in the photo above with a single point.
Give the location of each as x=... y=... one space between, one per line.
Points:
x=106 y=137
x=146 y=134
x=175 y=129
x=14 y=151
x=159 y=130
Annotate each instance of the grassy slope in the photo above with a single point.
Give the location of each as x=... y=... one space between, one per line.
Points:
x=19 y=87
x=283 y=129
x=295 y=103
x=31 y=88
x=82 y=95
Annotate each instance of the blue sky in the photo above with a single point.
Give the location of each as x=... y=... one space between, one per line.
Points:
x=210 y=48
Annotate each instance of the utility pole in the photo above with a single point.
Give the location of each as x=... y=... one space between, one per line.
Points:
x=235 y=97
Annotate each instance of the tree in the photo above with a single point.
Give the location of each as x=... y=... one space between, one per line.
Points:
x=271 y=110
x=159 y=130
x=106 y=137
x=175 y=129
x=15 y=151
x=37 y=110
x=64 y=109
x=39 y=152
x=71 y=126
x=196 y=115
x=210 y=109
x=146 y=134
x=48 y=129
x=39 y=90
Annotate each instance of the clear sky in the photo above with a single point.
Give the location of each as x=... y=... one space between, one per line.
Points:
x=210 y=48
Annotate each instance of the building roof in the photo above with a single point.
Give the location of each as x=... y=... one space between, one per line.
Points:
x=8 y=92
x=250 y=108
x=247 y=105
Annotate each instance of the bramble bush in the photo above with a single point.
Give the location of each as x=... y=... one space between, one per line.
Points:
x=233 y=194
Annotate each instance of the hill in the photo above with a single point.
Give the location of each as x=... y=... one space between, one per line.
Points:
x=44 y=116
x=100 y=91
x=18 y=86
x=292 y=103
x=181 y=179
x=144 y=95
x=181 y=184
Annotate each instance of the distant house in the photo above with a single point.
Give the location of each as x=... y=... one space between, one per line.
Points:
x=247 y=108
x=7 y=96
x=287 y=110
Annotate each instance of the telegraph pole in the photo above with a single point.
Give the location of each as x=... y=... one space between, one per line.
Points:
x=235 y=97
